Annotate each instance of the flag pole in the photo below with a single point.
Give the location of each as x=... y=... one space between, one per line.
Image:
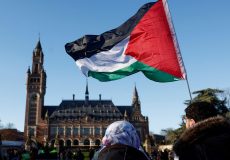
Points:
x=179 y=55
x=188 y=88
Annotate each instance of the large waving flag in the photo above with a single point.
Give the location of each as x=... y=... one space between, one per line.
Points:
x=146 y=42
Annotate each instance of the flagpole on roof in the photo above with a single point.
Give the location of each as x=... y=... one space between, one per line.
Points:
x=179 y=55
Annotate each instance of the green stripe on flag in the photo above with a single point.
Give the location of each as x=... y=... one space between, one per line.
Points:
x=150 y=72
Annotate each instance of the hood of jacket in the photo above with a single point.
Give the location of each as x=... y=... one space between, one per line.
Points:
x=211 y=133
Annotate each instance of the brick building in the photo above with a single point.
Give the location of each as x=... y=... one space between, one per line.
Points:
x=73 y=122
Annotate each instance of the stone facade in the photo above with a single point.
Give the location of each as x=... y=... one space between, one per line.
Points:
x=73 y=122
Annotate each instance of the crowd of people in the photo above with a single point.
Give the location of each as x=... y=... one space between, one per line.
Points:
x=42 y=154
x=207 y=137
x=165 y=154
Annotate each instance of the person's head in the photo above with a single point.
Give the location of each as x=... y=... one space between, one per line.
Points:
x=121 y=132
x=199 y=111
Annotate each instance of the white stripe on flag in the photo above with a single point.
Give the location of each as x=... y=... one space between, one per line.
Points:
x=107 y=61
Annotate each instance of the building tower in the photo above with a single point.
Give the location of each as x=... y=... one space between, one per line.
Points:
x=35 y=92
x=136 y=105
x=140 y=122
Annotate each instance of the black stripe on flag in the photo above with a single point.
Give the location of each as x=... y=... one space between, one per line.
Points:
x=89 y=45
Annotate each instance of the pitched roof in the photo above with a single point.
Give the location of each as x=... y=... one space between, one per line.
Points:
x=128 y=110
x=50 y=110
x=11 y=135
x=75 y=109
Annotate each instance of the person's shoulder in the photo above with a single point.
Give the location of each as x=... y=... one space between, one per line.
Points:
x=120 y=151
x=214 y=130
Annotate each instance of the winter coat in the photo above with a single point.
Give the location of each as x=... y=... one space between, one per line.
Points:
x=121 y=152
x=207 y=140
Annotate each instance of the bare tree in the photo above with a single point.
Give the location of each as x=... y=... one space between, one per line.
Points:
x=226 y=96
x=9 y=125
x=1 y=125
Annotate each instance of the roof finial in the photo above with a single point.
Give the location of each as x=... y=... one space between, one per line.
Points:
x=125 y=115
x=47 y=115
x=28 y=70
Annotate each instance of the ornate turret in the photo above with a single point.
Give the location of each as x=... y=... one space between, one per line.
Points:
x=125 y=115
x=28 y=71
x=28 y=75
x=47 y=115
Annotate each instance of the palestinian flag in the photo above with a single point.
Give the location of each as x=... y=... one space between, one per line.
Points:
x=146 y=42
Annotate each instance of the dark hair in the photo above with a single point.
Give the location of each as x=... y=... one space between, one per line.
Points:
x=200 y=111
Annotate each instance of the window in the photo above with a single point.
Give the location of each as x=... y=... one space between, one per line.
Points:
x=82 y=131
x=53 y=130
x=52 y=143
x=31 y=131
x=97 y=131
x=61 y=143
x=75 y=142
x=61 y=131
x=86 y=142
x=75 y=131
x=86 y=131
x=68 y=143
x=103 y=131
x=97 y=142
x=68 y=131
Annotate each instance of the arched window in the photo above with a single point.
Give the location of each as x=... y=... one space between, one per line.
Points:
x=97 y=142
x=75 y=142
x=68 y=143
x=52 y=143
x=61 y=143
x=86 y=142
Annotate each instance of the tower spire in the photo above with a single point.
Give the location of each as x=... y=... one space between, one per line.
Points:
x=39 y=46
x=135 y=95
x=28 y=70
x=86 y=92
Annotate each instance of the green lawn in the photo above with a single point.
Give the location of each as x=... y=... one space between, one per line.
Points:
x=86 y=155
